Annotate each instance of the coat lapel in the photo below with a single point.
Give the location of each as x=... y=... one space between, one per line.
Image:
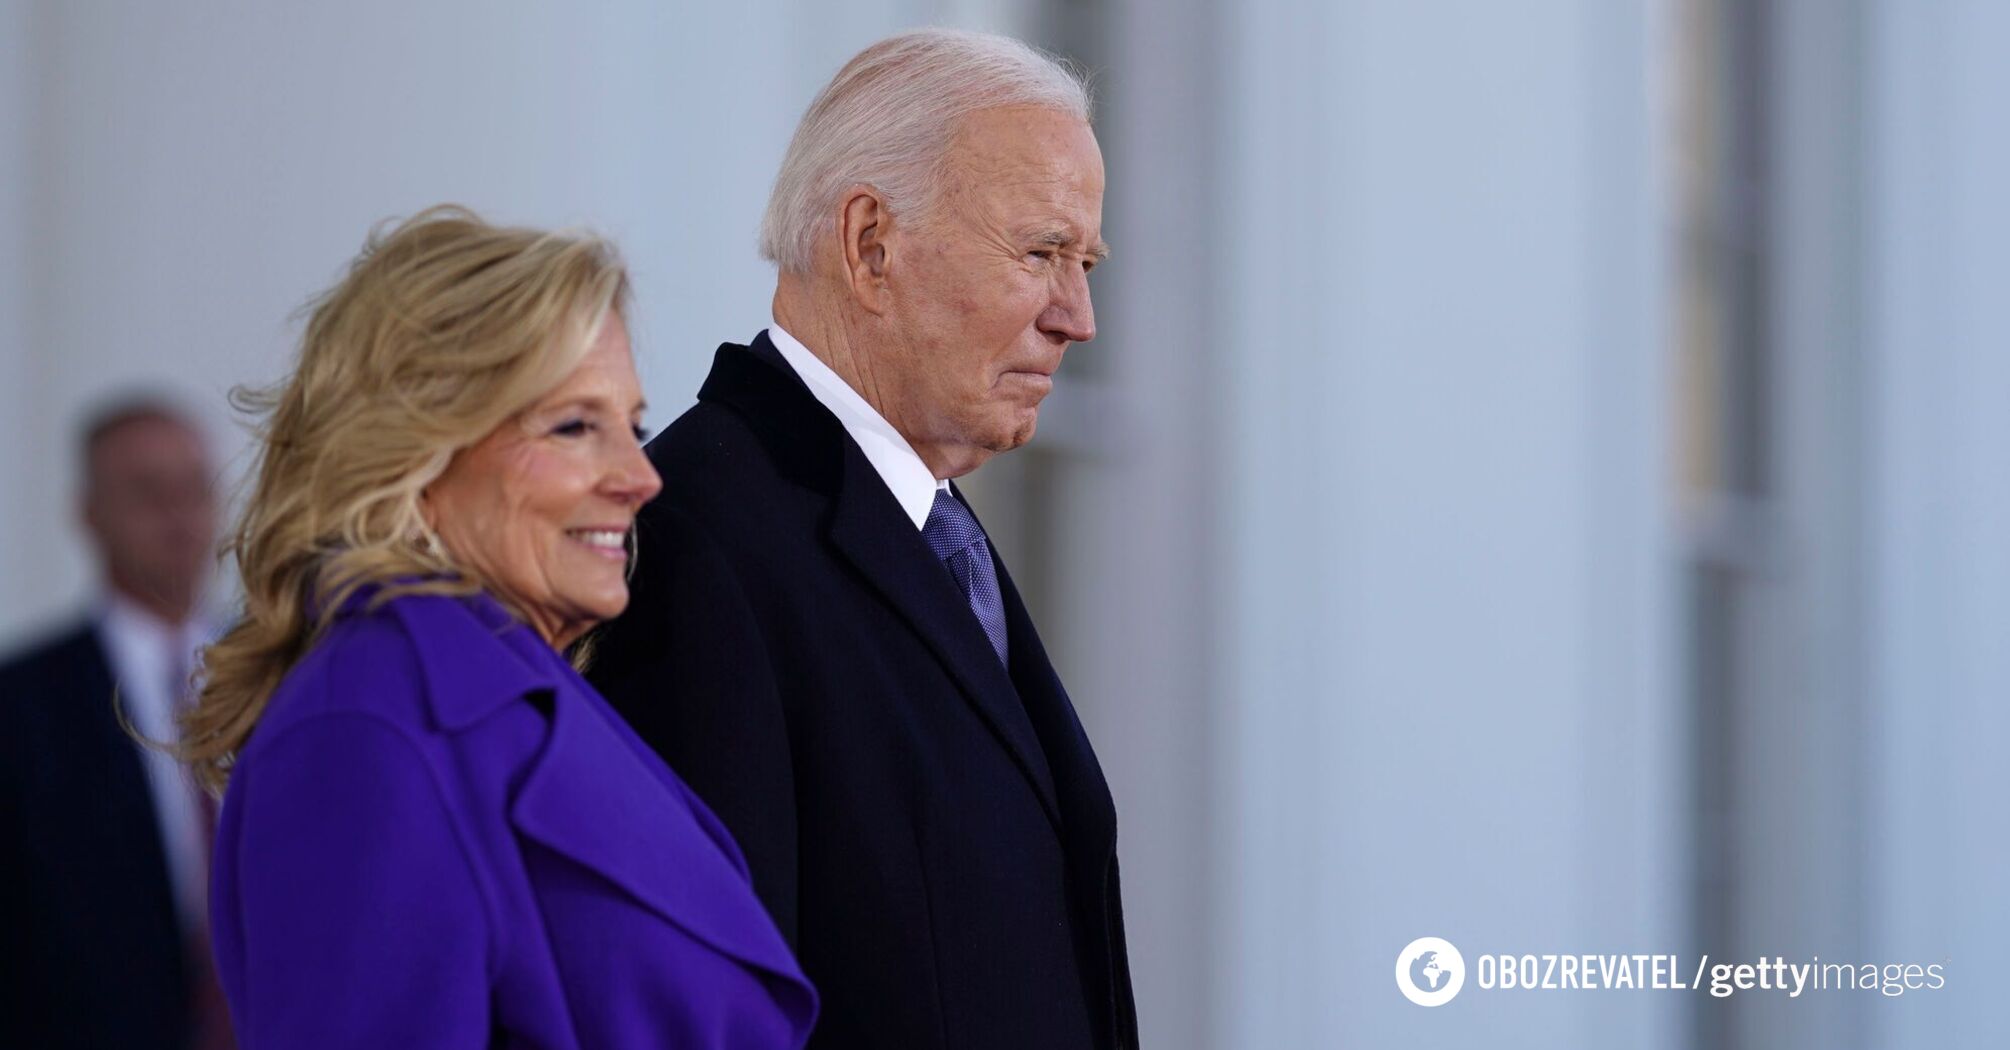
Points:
x=593 y=798
x=591 y=795
x=1084 y=793
x=869 y=529
x=875 y=535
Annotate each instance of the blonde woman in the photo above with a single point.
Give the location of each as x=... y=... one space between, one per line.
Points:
x=435 y=833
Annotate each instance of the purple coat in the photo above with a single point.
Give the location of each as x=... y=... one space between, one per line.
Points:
x=440 y=836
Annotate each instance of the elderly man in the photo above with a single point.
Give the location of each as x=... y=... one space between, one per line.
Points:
x=108 y=842
x=821 y=639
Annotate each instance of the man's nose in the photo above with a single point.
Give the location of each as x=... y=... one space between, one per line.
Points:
x=1071 y=315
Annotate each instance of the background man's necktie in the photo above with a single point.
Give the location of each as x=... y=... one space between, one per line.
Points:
x=956 y=538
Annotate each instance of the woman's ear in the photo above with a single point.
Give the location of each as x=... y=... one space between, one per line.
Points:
x=428 y=511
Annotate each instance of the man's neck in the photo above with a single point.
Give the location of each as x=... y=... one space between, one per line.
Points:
x=820 y=327
x=817 y=326
x=171 y=614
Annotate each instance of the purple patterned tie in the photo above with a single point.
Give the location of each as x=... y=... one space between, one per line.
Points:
x=958 y=541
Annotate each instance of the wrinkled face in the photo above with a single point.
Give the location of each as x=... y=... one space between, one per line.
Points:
x=151 y=507
x=542 y=506
x=989 y=292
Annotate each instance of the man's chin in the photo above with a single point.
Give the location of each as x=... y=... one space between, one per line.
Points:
x=1019 y=434
x=1004 y=435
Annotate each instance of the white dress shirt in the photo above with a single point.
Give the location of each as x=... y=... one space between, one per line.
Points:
x=906 y=476
x=146 y=657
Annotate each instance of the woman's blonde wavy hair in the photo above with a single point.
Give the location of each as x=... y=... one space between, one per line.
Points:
x=443 y=329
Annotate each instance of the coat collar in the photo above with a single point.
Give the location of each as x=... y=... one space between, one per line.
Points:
x=594 y=793
x=869 y=528
x=806 y=442
x=598 y=796
x=471 y=660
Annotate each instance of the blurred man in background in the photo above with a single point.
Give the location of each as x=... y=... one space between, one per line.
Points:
x=821 y=639
x=108 y=841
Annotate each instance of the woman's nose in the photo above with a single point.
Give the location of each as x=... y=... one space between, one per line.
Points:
x=633 y=480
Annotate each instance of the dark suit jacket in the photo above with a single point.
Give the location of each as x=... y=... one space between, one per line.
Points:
x=932 y=832
x=94 y=947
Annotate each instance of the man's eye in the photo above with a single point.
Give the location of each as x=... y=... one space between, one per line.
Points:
x=641 y=434
x=1042 y=254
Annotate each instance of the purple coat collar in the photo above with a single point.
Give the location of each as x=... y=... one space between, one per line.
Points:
x=595 y=793
x=476 y=663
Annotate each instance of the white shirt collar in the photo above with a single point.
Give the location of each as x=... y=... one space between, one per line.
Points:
x=147 y=649
x=149 y=661
x=899 y=466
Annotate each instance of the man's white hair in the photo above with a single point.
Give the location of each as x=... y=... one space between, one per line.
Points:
x=886 y=120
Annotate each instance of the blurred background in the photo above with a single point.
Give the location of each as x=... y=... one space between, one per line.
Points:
x=1573 y=436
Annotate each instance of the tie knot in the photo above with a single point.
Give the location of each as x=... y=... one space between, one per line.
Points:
x=951 y=529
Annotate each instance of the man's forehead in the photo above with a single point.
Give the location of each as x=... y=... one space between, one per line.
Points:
x=148 y=439
x=1029 y=141
x=149 y=426
x=1055 y=186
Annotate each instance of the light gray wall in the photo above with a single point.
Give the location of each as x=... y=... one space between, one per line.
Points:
x=180 y=178
x=17 y=361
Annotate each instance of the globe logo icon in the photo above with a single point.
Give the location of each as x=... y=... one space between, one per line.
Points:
x=1426 y=972
x=1429 y=971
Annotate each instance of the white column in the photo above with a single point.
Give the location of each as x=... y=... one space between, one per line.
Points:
x=1938 y=226
x=1449 y=703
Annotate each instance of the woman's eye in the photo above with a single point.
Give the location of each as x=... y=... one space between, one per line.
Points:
x=572 y=428
x=641 y=434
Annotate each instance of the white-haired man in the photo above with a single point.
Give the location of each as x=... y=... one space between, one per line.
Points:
x=820 y=638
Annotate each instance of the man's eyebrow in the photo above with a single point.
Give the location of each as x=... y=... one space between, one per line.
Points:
x=1062 y=238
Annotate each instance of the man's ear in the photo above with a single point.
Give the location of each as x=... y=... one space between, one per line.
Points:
x=865 y=229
